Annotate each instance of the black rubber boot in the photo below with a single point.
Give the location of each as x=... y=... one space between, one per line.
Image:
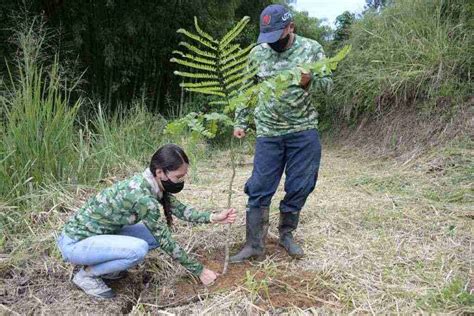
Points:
x=288 y=223
x=254 y=247
x=266 y=221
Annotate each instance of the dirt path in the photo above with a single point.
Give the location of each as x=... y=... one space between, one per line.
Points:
x=380 y=236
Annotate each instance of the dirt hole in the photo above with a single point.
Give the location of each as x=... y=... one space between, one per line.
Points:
x=270 y=284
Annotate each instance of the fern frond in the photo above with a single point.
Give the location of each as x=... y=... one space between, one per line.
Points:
x=218 y=117
x=230 y=50
x=194 y=65
x=199 y=84
x=246 y=85
x=239 y=81
x=242 y=59
x=202 y=33
x=252 y=71
x=229 y=37
x=197 y=38
x=195 y=75
x=206 y=91
x=222 y=70
x=195 y=58
x=218 y=103
x=234 y=77
x=233 y=93
x=198 y=51
x=213 y=88
x=238 y=54
x=235 y=70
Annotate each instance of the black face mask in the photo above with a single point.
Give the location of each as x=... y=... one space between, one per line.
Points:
x=172 y=187
x=279 y=46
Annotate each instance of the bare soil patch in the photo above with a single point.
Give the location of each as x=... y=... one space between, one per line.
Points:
x=275 y=287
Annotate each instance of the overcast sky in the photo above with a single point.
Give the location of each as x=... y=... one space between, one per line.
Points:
x=329 y=9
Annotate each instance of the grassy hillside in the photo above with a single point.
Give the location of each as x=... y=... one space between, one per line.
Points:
x=414 y=53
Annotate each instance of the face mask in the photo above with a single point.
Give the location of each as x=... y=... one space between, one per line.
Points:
x=172 y=187
x=279 y=46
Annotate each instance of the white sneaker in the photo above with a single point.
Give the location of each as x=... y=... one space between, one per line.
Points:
x=92 y=285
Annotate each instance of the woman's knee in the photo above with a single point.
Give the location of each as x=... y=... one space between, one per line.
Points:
x=138 y=251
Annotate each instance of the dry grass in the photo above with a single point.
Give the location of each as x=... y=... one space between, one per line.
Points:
x=380 y=237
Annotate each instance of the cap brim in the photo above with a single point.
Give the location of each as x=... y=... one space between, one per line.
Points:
x=270 y=37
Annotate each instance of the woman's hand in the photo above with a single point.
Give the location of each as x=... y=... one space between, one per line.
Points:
x=224 y=217
x=207 y=276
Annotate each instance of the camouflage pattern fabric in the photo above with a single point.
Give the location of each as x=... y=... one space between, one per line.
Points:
x=293 y=111
x=129 y=202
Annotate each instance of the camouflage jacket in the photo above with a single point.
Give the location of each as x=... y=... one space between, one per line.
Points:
x=293 y=111
x=129 y=202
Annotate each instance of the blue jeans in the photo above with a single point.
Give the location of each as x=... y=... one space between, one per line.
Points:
x=299 y=155
x=109 y=253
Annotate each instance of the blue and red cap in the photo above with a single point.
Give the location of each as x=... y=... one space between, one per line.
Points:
x=273 y=21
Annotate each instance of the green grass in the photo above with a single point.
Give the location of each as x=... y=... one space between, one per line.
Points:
x=38 y=129
x=453 y=294
x=414 y=50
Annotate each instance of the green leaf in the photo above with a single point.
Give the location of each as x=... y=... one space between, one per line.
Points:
x=238 y=54
x=195 y=58
x=241 y=67
x=229 y=37
x=219 y=117
x=198 y=51
x=206 y=91
x=202 y=33
x=197 y=38
x=229 y=50
x=218 y=103
x=199 y=84
x=235 y=63
x=195 y=75
x=194 y=65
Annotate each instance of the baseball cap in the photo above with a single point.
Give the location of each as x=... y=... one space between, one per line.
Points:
x=273 y=20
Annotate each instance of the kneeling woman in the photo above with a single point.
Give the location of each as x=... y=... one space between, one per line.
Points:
x=115 y=229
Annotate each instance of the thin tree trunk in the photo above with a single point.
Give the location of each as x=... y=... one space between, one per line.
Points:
x=229 y=204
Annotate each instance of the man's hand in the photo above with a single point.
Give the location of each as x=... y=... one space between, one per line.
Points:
x=239 y=133
x=225 y=217
x=208 y=277
x=305 y=79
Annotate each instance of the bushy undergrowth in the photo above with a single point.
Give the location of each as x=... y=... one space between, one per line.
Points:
x=413 y=51
x=47 y=141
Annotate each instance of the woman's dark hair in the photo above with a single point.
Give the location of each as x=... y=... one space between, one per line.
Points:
x=168 y=158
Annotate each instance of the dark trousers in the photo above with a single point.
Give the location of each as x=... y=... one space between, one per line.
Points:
x=299 y=155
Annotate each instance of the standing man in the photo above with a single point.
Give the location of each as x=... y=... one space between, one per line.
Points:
x=287 y=136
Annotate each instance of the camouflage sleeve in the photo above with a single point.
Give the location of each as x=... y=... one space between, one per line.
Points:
x=162 y=234
x=320 y=83
x=241 y=117
x=187 y=213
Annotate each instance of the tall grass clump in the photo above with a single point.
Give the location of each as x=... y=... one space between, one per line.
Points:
x=123 y=140
x=37 y=129
x=413 y=50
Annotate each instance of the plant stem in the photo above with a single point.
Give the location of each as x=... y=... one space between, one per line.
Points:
x=229 y=204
